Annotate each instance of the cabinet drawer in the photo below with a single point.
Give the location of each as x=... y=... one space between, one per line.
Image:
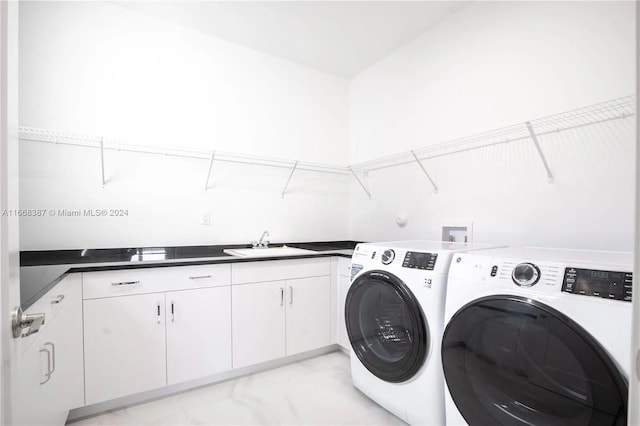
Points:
x=152 y=280
x=275 y=270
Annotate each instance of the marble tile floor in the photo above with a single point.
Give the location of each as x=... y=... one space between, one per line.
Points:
x=317 y=391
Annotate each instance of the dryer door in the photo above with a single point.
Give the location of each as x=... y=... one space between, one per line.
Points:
x=386 y=326
x=509 y=360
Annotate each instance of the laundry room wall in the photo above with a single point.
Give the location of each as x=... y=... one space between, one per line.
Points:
x=490 y=65
x=104 y=70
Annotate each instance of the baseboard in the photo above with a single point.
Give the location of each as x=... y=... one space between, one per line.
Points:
x=82 y=413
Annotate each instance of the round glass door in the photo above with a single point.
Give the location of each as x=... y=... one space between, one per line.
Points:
x=386 y=326
x=508 y=360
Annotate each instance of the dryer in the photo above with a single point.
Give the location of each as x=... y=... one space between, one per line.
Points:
x=394 y=314
x=538 y=337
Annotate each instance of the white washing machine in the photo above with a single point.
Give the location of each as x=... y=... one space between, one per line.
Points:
x=538 y=337
x=394 y=313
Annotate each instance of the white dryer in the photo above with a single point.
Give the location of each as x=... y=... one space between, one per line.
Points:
x=394 y=313
x=538 y=337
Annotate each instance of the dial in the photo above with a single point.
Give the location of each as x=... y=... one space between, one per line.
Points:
x=525 y=274
x=388 y=256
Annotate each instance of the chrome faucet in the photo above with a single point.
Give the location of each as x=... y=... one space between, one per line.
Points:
x=262 y=243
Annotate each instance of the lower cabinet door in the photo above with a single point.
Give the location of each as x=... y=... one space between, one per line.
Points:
x=308 y=321
x=64 y=339
x=258 y=312
x=33 y=388
x=50 y=374
x=124 y=346
x=198 y=333
x=343 y=289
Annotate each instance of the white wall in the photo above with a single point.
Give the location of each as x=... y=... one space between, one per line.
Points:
x=490 y=65
x=99 y=69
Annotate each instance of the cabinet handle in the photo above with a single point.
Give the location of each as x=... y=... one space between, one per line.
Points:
x=172 y=314
x=48 y=375
x=199 y=277
x=158 y=313
x=59 y=298
x=126 y=283
x=290 y=295
x=281 y=296
x=53 y=356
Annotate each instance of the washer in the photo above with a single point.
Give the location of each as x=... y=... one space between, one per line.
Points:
x=394 y=313
x=538 y=337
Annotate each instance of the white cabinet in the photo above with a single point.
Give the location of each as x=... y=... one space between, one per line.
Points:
x=198 y=333
x=146 y=328
x=279 y=308
x=124 y=345
x=308 y=322
x=50 y=381
x=344 y=281
x=258 y=322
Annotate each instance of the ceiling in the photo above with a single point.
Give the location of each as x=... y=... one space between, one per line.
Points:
x=338 y=37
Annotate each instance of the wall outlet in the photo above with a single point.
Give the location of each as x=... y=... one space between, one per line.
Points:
x=206 y=218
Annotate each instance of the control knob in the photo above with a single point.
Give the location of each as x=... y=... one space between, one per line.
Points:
x=388 y=256
x=525 y=274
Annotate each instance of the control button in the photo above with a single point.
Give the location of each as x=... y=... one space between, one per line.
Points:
x=388 y=256
x=525 y=274
x=373 y=255
x=494 y=271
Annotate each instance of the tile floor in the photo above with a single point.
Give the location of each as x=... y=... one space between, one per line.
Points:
x=316 y=391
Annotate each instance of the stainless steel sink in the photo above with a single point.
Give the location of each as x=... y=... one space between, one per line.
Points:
x=268 y=252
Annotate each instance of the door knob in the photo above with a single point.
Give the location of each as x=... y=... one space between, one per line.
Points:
x=20 y=321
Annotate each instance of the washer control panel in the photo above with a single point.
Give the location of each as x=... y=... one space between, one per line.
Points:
x=612 y=285
x=416 y=260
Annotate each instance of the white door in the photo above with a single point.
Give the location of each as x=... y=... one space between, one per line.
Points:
x=634 y=380
x=124 y=346
x=198 y=333
x=308 y=314
x=9 y=226
x=258 y=312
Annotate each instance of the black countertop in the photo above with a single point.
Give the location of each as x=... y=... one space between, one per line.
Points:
x=139 y=254
x=41 y=270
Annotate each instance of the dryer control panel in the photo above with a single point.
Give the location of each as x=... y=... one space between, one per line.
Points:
x=416 y=260
x=612 y=285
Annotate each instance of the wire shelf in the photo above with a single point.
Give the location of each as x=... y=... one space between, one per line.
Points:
x=608 y=111
x=62 y=138
x=616 y=109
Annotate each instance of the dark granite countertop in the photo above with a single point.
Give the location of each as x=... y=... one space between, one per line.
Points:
x=41 y=270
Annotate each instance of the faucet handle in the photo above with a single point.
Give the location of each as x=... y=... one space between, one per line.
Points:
x=266 y=243
x=254 y=244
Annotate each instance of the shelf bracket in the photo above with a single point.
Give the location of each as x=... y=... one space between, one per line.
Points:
x=286 y=185
x=435 y=188
x=360 y=182
x=206 y=184
x=102 y=161
x=540 y=153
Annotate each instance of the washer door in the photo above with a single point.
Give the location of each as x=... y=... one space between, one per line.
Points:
x=509 y=360
x=386 y=327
